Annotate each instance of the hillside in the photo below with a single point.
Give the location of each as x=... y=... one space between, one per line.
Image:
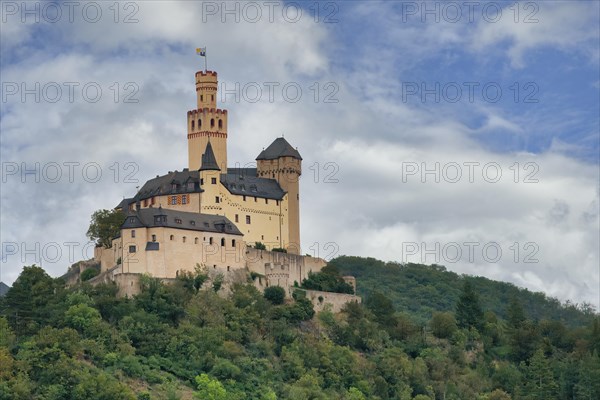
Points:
x=3 y=288
x=419 y=290
x=187 y=340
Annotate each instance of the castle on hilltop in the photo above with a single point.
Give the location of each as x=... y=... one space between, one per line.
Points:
x=211 y=215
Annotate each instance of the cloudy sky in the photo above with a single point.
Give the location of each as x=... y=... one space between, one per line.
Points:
x=451 y=133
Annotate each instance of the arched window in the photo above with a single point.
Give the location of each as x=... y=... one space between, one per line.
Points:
x=193 y=125
x=199 y=123
x=220 y=123
x=201 y=98
x=172 y=237
x=212 y=122
x=195 y=240
x=232 y=242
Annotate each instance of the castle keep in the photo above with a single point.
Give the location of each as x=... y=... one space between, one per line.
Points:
x=211 y=215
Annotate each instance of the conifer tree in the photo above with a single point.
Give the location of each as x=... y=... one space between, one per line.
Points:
x=468 y=310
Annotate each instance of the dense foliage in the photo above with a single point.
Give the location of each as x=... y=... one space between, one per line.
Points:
x=327 y=280
x=421 y=290
x=104 y=226
x=185 y=341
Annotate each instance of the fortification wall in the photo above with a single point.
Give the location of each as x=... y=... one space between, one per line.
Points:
x=323 y=300
x=281 y=269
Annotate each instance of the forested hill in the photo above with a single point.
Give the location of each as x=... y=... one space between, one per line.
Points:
x=189 y=340
x=420 y=290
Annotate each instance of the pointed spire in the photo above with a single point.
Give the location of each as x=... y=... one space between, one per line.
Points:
x=209 y=162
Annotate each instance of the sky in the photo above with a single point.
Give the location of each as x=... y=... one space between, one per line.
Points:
x=464 y=134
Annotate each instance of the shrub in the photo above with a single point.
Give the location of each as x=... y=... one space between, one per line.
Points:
x=259 y=246
x=279 y=250
x=275 y=294
x=89 y=274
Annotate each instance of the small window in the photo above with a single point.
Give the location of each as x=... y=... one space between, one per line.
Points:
x=201 y=97
x=232 y=242
x=255 y=200
x=212 y=97
x=172 y=237
x=244 y=198
x=195 y=240
x=154 y=238
x=178 y=220
x=228 y=268
x=212 y=122
x=217 y=200
x=133 y=233
x=210 y=240
x=190 y=185
x=247 y=219
x=145 y=202
x=173 y=200
x=184 y=238
x=220 y=123
x=193 y=125
x=213 y=181
x=132 y=249
x=222 y=242
x=237 y=218
x=262 y=237
x=184 y=199
x=277 y=202
x=266 y=201
x=199 y=123
x=201 y=181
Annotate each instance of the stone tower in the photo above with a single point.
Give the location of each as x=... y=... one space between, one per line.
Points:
x=280 y=161
x=207 y=121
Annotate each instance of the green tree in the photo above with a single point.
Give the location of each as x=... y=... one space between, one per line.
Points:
x=104 y=226
x=89 y=274
x=443 y=324
x=540 y=383
x=209 y=388
x=275 y=294
x=468 y=309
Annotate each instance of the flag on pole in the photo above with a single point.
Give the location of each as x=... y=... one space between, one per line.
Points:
x=201 y=51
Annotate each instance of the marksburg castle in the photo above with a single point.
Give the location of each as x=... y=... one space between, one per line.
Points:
x=212 y=216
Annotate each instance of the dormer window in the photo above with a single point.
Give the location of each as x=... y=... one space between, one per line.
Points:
x=178 y=220
x=190 y=185
x=132 y=220
x=193 y=223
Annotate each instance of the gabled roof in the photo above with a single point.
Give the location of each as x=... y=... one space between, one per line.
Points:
x=244 y=182
x=124 y=204
x=3 y=289
x=209 y=161
x=279 y=148
x=163 y=217
x=163 y=185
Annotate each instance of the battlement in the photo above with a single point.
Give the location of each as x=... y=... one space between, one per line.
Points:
x=207 y=110
x=206 y=73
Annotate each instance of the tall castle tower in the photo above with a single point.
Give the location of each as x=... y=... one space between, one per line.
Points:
x=280 y=161
x=207 y=121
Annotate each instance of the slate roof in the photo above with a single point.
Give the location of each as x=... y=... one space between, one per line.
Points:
x=163 y=185
x=279 y=148
x=124 y=204
x=244 y=182
x=3 y=288
x=157 y=217
x=209 y=161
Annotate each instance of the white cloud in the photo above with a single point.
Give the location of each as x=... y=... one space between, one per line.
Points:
x=363 y=141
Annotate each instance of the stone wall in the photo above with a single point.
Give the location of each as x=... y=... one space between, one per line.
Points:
x=323 y=300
